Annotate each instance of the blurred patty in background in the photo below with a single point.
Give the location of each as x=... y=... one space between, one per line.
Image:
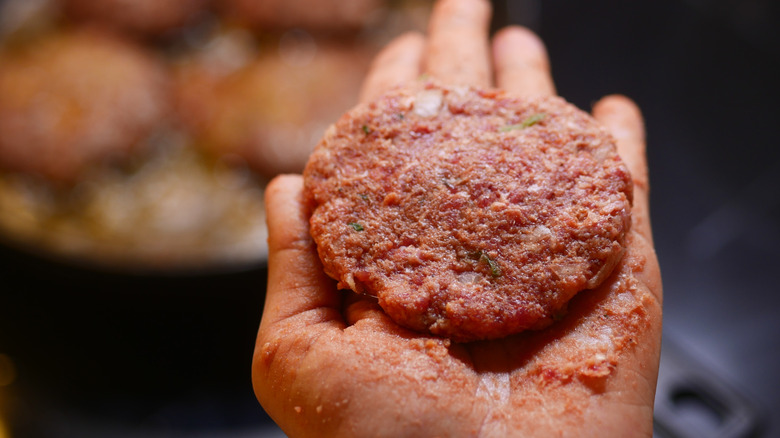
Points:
x=140 y=134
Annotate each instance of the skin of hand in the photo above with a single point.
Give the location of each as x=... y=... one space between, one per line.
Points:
x=330 y=363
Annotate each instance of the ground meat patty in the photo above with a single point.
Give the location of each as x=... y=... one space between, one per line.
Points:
x=143 y=17
x=72 y=100
x=325 y=15
x=272 y=110
x=471 y=214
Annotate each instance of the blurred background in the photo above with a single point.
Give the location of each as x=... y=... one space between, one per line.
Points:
x=116 y=320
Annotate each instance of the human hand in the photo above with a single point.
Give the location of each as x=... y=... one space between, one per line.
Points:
x=332 y=363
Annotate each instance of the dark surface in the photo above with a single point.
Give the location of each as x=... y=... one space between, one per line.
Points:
x=97 y=353
x=171 y=354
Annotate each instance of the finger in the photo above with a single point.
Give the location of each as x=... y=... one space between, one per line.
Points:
x=399 y=62
x=358 y=307
x=521 y=62
x=365 y=311
x=457 y=52
x=624 y=120
x=296 y=281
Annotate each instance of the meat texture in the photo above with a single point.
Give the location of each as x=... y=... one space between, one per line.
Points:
x=470 y=214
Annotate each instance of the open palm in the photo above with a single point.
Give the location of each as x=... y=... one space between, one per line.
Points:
x=332 y=363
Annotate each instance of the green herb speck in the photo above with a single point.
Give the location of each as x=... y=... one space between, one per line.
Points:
x=529 y=121
x=366 y=129
x=495 y=270
x=364 y=196
x=356 y=226
x=482 y=257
